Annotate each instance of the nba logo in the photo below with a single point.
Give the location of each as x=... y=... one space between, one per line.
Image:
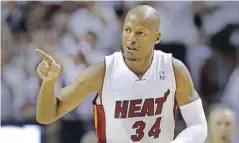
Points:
x=161 y=75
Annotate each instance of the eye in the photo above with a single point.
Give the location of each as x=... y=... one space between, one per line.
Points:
x=228 y=123
x=127 y=30
x=140 y=33
x=219 y=123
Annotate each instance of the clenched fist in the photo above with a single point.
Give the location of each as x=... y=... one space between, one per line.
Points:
x=48 y=69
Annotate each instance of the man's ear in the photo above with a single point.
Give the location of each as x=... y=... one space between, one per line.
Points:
x=158 y=37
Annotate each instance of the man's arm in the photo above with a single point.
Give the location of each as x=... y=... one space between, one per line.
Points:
x=51 y=108
x=190 y=106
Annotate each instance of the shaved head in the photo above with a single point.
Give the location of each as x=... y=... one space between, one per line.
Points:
x=220 y=109
x=145 y=12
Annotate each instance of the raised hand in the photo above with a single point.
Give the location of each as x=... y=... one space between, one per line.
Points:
x=48 y=69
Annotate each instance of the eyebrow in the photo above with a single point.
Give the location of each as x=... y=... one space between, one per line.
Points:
x=138 y=29
x=141 y=29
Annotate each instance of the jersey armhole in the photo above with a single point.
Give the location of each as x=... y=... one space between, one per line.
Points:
x=175 y=107
x=98 y=98
x=173 y=77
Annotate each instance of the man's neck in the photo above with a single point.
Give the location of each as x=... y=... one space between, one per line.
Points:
x=140 y=66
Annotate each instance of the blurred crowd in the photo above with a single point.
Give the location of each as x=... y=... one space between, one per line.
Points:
x=204 y=35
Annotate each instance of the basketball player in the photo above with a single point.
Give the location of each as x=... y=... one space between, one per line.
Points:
x=138 y=89
x=221 y=125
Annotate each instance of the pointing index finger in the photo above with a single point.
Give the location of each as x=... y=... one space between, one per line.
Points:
x=44 y=55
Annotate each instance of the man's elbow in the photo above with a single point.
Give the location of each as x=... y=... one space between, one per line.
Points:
x=44 y=121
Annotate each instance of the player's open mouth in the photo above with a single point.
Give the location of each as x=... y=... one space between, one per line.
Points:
x=131 y=48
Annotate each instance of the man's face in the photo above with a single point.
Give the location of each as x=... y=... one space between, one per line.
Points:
x=138 y=37
x=222 y=125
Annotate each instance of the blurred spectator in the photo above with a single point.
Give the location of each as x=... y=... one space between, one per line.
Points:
x=89 y=137
x=12 y=13
x=222 y=14
x=34 y=16
x=230 y=95
x=177 y=37
x=217 y=69
x=6 y=89
x=221 y=124
x=70 y=73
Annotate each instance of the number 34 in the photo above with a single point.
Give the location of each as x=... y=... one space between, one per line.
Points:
x=140 y=125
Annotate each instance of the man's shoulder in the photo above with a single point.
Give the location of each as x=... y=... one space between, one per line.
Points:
x=180 y=69
x=185 y=92
x=93 y=76
x=178 y=65
x=97 y=68
x=93 y=72
x=181 y=72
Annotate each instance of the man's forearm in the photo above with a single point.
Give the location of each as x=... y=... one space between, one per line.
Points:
x=196 y=131
x=46 y=103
